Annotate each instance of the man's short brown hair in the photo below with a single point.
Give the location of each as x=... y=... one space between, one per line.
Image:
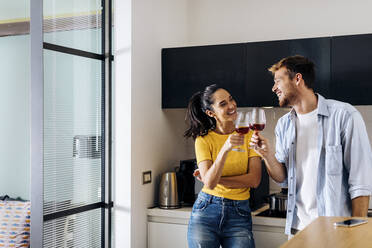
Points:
x=297 y=64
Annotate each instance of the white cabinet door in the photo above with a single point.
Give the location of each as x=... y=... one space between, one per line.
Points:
x=269 y=239
x=164 y=235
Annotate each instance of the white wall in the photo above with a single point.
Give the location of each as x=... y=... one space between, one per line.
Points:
x=220 y=21
x=156 y=140
x=122 y=163
x=146 y=137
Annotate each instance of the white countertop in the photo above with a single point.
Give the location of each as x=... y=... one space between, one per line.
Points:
x=182 y=216
x=183 y=213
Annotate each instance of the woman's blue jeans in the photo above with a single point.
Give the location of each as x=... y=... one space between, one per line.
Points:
x=217 y=221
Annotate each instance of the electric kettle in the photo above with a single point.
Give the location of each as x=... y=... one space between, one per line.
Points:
x=168 y=195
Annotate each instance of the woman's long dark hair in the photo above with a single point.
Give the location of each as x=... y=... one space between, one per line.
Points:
x=199 y=122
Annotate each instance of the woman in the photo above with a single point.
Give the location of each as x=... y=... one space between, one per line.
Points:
x=221 y=213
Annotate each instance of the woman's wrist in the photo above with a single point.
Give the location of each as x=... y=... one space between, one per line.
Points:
x=226 y=148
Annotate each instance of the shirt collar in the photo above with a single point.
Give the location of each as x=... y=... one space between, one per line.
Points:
x=322 y=108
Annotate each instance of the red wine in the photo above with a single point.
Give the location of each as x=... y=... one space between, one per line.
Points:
x=258 y=127
x=242 y=130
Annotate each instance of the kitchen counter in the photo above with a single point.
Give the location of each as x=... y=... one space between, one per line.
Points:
x=182 y=216
x=173 y=216
x=322 y=233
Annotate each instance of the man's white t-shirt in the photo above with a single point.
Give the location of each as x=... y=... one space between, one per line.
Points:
x=306 y=169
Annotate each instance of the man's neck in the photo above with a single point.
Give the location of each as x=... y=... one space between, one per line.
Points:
x=307 y=102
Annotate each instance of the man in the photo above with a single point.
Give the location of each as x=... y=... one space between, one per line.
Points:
x=322 y=155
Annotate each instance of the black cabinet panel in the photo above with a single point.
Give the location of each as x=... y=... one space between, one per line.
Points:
x=343 y=69
x=261 y=55
x=189 y=69
x=352 y=68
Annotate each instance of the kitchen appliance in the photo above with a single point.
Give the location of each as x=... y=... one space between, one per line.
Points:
x=168 y=193
x=186 y=182
x=272 y=214
x=278 y=201
x=258 y=196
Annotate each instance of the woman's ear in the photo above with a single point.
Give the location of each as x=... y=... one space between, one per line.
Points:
x=209 y=113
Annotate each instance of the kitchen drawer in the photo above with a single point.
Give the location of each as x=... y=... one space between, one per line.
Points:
x=165 y=235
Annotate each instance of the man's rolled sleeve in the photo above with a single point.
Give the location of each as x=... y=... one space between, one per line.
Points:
x=357 y=156
x=359 y=191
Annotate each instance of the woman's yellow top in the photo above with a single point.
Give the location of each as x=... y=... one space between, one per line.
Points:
x=207 y=148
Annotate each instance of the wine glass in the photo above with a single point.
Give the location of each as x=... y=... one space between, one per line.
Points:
x=257 y=122
x=258 y=119
x=241 y=126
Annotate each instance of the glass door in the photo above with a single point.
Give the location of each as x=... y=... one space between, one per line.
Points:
x=75 y=172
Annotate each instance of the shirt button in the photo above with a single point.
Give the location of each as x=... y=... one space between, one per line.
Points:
x=289 y=211
x=291 y=178
x=290 y=194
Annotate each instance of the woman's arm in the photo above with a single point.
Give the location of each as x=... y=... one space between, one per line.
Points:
x=251 y=179
x=211 y=173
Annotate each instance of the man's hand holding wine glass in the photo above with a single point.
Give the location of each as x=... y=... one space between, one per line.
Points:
x=261 y=145
x=257 y=120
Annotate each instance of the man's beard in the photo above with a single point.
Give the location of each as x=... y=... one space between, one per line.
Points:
x=287 y=100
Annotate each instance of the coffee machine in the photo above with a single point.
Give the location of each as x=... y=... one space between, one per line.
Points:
x=259 y=195
x=186 y=182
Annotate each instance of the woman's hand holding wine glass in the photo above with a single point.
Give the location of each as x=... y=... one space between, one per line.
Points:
x=242 y=126
x=233 y=141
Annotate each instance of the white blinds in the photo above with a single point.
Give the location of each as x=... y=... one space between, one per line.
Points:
x=73 y=103
x=78 y=230
x=72 y=108
x=72 y=148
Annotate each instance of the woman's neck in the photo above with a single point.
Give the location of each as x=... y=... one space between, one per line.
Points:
x=225 y=128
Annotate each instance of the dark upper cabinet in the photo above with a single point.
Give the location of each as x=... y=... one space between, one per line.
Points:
x=351 y=69
x=240 y=68
x=262 y=55
x=187 y=70
x=342 y=64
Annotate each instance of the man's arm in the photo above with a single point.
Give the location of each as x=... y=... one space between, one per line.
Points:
x=275 y=169
x=359 y=206
x=358 y=162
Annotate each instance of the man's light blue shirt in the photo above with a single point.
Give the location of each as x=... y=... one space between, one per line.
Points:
x=344 y=155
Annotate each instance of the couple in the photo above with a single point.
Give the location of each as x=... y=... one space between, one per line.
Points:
x=322 y=155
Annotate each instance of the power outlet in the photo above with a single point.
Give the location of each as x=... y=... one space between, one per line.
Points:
x=146 y=177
